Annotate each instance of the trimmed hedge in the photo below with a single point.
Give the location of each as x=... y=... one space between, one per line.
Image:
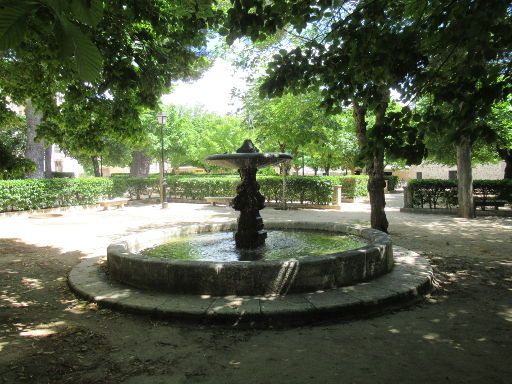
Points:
x=303 y=189
x=135 y=186
x=193 y=187
x=352 y=186
x=392 y=182
x=434 y=193
x=19 y=195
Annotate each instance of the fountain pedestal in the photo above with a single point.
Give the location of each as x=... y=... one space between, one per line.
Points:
x=249 y=200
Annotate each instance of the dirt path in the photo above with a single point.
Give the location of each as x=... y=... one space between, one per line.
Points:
x=460 y=334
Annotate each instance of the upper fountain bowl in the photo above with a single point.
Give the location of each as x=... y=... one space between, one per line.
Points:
x=248 y=160
x=248 y=156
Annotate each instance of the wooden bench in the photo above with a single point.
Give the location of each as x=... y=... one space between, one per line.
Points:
x=214 y=200
x=118 y=202
x=482 y=203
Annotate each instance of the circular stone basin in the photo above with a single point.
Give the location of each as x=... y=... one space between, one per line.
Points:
x=302 y=273
x=279 y=245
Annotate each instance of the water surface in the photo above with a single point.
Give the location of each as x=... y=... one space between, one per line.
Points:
x=280 y=245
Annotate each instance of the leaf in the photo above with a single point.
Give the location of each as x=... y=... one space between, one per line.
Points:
x=87 y=12
x=88 y=58
x=13 y=24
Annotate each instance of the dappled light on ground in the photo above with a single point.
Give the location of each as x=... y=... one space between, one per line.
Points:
x=460 y=333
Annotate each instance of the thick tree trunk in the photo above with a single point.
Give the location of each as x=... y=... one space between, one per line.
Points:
x=375 y=164
x=465 y=179
x=327 y=171
x=48 y=162
x=96 y=166
x=506 y=155
x=34 y=151
x=139 y=166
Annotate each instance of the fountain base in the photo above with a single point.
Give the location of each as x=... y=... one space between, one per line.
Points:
x=250 y=240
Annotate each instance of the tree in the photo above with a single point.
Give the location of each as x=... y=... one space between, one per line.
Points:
x=355 y=53
x=500 y=120
x=295 y=122
x=465 y=76
x=363 y=49
x=13 y=164
x=145 y=45
x=63 y=21
x=193 y=134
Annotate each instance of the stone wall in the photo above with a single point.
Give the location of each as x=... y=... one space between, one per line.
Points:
x=436 y=171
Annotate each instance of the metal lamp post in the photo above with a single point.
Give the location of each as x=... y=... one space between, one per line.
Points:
x=162 y=119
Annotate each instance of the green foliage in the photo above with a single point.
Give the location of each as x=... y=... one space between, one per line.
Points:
x=145 y=46
x=352 y=186
x=303 y=189
x=64 y=21
x=190 y=187
x=297 y=124
x=435 y=193
x=134 y=186
x=63 y=175
x=19 y=195
x=13 y=165
x=392 y=182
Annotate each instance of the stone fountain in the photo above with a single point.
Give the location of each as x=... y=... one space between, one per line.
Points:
x=249 y=201
x=251 y=284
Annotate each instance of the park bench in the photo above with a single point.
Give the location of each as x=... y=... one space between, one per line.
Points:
x=214 y=200
x=482 y=203
x=118 y=202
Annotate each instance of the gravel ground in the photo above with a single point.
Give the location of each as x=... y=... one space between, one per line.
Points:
x=461 y=333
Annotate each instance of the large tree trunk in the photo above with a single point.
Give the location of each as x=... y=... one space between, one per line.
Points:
x=506 y=155
x=96 y=165
x=48 y=162
x=34 y=151
x=139 y=166
x=375 y=164
x=465 y=179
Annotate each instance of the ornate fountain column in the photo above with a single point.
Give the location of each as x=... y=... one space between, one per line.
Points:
x=249 y=201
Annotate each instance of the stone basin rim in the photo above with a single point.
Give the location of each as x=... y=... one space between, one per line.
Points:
x=308 y=274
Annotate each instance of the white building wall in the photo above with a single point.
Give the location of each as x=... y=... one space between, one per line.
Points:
x=63 y=163
x=437 y=171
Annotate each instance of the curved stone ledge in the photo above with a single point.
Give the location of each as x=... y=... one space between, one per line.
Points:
x=410 y=279
x=308 y=274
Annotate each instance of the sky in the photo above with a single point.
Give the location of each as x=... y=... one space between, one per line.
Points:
x=212 y=90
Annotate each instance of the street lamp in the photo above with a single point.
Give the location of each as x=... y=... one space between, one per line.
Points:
x=162 y=119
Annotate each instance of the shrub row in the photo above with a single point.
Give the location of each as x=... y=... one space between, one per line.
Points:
x=19 y=195
x=433 y=193
x=392 y=182
x=303 y=189
x=135 y=186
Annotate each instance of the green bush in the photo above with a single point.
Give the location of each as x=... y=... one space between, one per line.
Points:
x=135 y=186
x=351 y=186
x=303 y=189
x=392 y=182
x=19 y=195
x=434 y=193
x=193 y=187
x=63 y=175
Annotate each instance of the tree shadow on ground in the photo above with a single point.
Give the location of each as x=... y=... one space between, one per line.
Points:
x=40 y=339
